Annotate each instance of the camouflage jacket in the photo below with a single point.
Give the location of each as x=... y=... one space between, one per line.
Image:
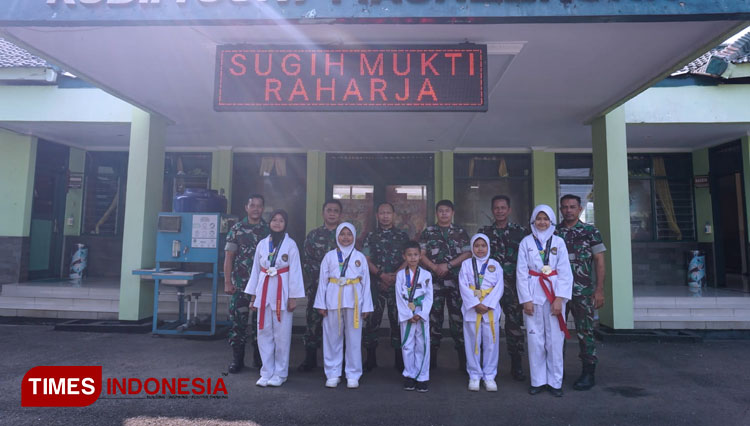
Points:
x=317 y=243
x=504 y=244
x=385 y=248
x=443 y=247
x=242 y=239
x=583 y=242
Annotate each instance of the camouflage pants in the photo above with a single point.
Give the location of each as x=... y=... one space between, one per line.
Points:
x=583 y=315
x=450 y=297
x=313 y=337
x=380 y=300
x=514 y=335
x=239 y=315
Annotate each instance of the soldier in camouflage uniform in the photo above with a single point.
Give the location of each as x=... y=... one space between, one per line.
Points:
x=505 y=237
x=317 y=244
x=585 y=247
x=242 y=240
x=444 y=246
x=383 y=248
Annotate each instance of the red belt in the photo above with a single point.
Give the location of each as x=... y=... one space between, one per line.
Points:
x=262 y=315
x=550 y=293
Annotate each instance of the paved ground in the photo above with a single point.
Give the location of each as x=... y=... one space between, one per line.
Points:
x=639 y=384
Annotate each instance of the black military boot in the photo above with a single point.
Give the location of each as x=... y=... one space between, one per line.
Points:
x=238 y=359
x=371 y=362
x=516 y=368
x=433 y=357
x=257 y=361
x=310 y=362
x=462 y=360
x=398 y=360
x=586 y=381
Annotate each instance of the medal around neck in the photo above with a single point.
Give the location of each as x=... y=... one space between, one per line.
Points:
x=546 y=269
x=272 y=272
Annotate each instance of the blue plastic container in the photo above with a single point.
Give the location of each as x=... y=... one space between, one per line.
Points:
x=198 y=200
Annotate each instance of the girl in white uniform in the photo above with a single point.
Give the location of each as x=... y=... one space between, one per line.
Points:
x=414 y=302
x=275 y=281
x=545 y=283
x=481 y=284
x=344 y=301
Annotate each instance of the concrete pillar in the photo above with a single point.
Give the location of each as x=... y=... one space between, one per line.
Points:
x=17 y=168
x=745 y=141
x=142 y=205
x=544 y=179
x=74 y=198
x=316 y=189
x=613 y=216
x=443 y=176
x=222 y=162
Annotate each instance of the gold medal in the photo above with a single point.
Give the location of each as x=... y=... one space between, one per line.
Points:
x=546 y=269
x=271 y=272
x=478 y=294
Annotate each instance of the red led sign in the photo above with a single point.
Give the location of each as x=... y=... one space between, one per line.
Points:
x=398 y=78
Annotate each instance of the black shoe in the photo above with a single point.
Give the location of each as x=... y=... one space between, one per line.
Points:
x=257 y=361
x=533 y=390
x=462 y=360
x=556 y=392
x=516 y=368
x=310 y=362
x=587 y=380
x=409 y=384
x=398 y=360
x=371 y=362
x=238 y=359
x=433 y=357
x=423 y=386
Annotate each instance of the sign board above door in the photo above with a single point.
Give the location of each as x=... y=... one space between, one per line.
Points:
x=366 y=78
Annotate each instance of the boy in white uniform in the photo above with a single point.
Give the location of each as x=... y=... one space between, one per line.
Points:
x=344 y=300
x=545 y=283
x=275 y=281
x=414 y=302
x=481 y=284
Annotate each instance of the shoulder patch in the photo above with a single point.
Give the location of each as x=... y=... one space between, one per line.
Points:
x=554 y=251
x=357 y=263
x=491 y=268
x=285 y=257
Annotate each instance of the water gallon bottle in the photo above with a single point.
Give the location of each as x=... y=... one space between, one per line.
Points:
x=696 y=273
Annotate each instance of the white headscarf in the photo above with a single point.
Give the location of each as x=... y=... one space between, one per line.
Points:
x=346 y=250
x=486 y=240
x=543 y=236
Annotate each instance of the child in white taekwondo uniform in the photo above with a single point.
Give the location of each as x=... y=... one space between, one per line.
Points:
x=275 y=281
x=414 y=302
x=481 y=284
x=344 y=300
x=545 y=283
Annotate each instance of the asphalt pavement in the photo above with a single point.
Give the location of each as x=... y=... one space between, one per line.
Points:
x=638 y=383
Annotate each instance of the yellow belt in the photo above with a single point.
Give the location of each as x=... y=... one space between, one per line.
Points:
x=343 y=283
x=481 y=294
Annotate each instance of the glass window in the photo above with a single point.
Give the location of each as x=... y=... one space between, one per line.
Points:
x=641 y=219
x=410 y=203
x=478 y=178
x=358 y=204
x=104 y=192
x=575 y=175
x=182 y=171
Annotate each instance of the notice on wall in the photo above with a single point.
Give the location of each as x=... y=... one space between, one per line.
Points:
x=205 y=231
x=369 y=78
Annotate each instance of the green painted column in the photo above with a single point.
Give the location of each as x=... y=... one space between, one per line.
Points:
x=613 y=216
x=745 y=141
x=444 y=189
x=74 y=198
x=544 y=180
x=142 y=206
x=316 y=189
x=703 y=207
x=221 y=172
x=17 y=168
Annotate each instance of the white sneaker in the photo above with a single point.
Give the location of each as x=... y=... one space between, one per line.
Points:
x=352 y=383
x=332 y=383
x=262 y=382
x=276 y=381
x=474 y=385
x=490 y=385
